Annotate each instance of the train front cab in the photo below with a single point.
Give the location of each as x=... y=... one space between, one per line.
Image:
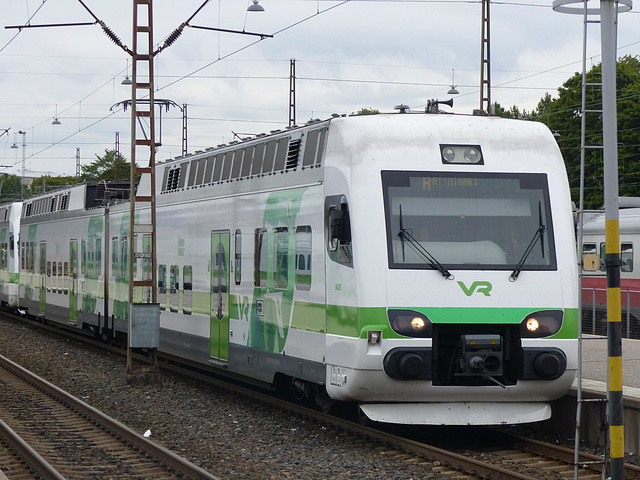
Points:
x=465 y=297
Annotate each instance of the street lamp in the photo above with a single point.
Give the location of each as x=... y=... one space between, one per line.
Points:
x=453 y=90
x=256 y=7
x=127 y=80
x=55 y=120
x=24 y=150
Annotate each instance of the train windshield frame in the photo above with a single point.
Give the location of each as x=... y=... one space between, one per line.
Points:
x=468 y=221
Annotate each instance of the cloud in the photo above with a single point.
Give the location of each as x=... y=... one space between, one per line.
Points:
x=360 y=54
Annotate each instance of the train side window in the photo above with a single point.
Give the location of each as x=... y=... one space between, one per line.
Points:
x=238 y=257
x=338 y=225
x=22 y=253
x=626 y=255
x=208 y=170
x=114 y=256
x=187 y=285
x=33 y=257
x=91 y=256
x=83 y=256
x=226 y=166
x=201 y=170
x=256 y=167
x=590 y=259
x=237 y=164
x=193 y=169
x=183 y=174
x=66 y=277
x=281 y=267
x=281 y=155
x=310 y=148
x=53 y=284
x=217 y=171
x=162 y=286
x=603 y=256
x=174 y=287
x=60 y=277
x=98 y=258
x=247 y=162
x=43 y=261
x=124 y=256
x=269 y=157
x=260 y=258
x=303 y=257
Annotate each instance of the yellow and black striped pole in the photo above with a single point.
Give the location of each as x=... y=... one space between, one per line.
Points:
x=614 y=350
x=608 y=32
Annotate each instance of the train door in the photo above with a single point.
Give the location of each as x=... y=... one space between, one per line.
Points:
x=73 y=281
x=220 y=295
x=43 y=276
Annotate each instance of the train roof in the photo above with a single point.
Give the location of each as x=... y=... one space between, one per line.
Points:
x=629 y=221
x=293 y=156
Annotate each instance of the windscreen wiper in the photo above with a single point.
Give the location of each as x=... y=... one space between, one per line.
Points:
x=435 y=264
x=536 y=236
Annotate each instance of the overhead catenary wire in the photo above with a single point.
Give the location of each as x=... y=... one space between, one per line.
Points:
x=171 y=38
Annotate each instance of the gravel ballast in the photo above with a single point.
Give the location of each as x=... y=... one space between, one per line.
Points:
x=226 y=434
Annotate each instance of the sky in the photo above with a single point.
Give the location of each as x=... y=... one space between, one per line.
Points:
x=348 y=55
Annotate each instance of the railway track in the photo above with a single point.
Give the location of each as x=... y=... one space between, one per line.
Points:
x=508 y=457
x=57 y=436
x=505 y=457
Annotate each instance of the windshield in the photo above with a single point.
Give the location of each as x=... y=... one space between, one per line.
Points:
x=468 y=221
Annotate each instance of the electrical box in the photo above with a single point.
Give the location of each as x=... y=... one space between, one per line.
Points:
x=144 y=325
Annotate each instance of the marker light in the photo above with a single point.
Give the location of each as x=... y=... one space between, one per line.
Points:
x=541 y=324
x=461 y=154
x=409 y=323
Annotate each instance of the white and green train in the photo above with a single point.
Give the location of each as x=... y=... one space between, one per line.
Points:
x=422 y=266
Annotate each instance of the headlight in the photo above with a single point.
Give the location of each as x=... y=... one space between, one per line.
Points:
x=461 y=154
x=409 y=323
x=541 y=324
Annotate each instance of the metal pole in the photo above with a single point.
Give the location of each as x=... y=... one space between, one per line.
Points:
x=612 y=238
x=485 y=59
x=24 y=156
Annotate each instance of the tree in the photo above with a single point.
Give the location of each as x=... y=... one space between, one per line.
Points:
x=10 y=188
x=563 y=116
x=110 y=166
x=368 y=111
x=47 y=182
x=513 y=112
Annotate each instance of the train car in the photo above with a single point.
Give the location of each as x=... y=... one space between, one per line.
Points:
x=9 y=257
x=594 y=282
x=422 y=266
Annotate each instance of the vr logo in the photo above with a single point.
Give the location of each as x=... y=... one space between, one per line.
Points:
x=478 y=286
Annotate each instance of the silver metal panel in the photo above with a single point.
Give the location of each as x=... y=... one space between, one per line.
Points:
x=144 y=325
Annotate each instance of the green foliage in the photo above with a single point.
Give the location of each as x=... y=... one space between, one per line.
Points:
x=110 y=166
x=513 y=112
x=563 y=116
x=368 y=111
x=47 y=182
x=10 y=188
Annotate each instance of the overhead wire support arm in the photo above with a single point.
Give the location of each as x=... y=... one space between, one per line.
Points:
x=261 y=35
x=46 y=25
x=114 y=38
